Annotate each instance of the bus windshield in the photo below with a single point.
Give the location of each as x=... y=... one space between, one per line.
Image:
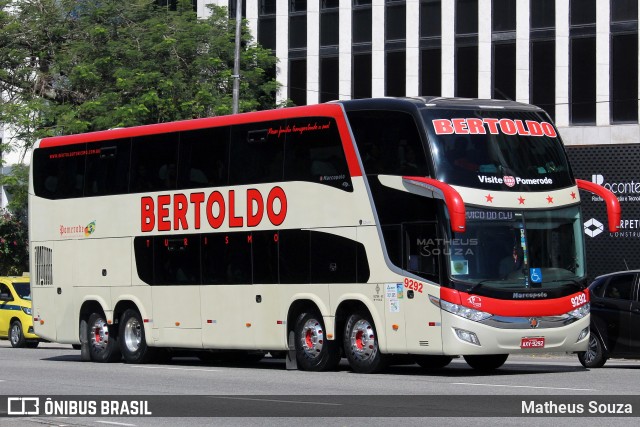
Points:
x=497 y=150
x=512 y=249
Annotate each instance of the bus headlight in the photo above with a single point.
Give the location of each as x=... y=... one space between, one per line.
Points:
x=581 y=311
x=464 y=312
x=26 y=310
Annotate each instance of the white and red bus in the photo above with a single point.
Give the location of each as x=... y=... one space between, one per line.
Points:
x=428 y=227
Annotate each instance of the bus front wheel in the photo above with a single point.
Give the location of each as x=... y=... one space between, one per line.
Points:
x=103 y=346
x=361 y=345
x=486 y=362
x=133 y=344
x=314 y=352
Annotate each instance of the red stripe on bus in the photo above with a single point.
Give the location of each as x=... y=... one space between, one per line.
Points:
x=328 y=110
x=515 y=308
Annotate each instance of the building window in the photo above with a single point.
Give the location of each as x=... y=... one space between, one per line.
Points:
x=430 y=71
x=329 y=26
x=504 y=74
x=361 y=76
x=396 y=74
x=329 y=78
x=298 y=81
x=542 y=81
x=624 y=10
x=543 y=14
x=298 y=31
x=267 y=24
x=431 y=18
x=624 y=78
x=466 y=16
x=297 y=6
x=582 y=62
x=467 y=71
x=361 y=22
x=396 y=21
x=232 y=9
x=583 y=80
x=503 y=15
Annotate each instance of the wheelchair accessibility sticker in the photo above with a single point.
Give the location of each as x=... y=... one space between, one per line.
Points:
x=536 y=275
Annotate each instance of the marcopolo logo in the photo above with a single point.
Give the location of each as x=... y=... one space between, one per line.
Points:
x=593 y=227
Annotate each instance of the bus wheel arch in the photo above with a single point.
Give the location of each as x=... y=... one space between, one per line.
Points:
x=314 y=352
x=101 y=336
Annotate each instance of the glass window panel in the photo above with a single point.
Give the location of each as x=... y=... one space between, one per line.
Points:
x=504 y=76
x=396 y=74
x=583 y=80
x=467 y=71
x=361 y=32
x=542 y=79
x=329 y=79
x=466 y=16
x=624 y=10
x=396 y=22
x=582 y=12
x=431 y=18
x=107 y=167
x=624 y=78
x=362 y=76
x=431 y=72
x=543 y=14
x=503 y=15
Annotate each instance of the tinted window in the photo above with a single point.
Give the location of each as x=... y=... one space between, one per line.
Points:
x=256 y=153
x=543 y=65
x=107 y=168
x=204 y=158
x=177 y=260
x=389 y=142
x=314 y=153
x=361 y=76
x=582 y=12
x=396 y=22
x=329 y=28
x=583 y=80
x=334 y=259
x=59 y=171
x=154 y=162
x=265 y=256
x=430 y=18
x=267 y=32
x=431 y=74
x=294 y=256
x=143 y=247
x=466 y=16
x=298 y=32
x=504 y=15
x=396 y=74
x=226 y=258
x=620 y=287
x=504 y=78
x=543 y=14
x=361 y=31
x=624 y=78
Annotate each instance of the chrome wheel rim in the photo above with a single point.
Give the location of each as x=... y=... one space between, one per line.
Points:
x=312 y=338
x=15 y=334
x=132 y=334
x=592 y=350
x=99 y=335
x=363 y=341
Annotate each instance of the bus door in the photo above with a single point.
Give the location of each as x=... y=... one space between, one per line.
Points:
x=421 y=253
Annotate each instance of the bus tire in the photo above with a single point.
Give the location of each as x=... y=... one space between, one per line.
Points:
x=361 y=345
x=133 y=343
x=486 y=362
x=16 y=336
x=103 y=346
x=430 y=362
x=595 y=356
x=313 y=351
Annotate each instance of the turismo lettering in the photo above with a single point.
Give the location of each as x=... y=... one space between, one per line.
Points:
x=474 y=126
x=182 y=212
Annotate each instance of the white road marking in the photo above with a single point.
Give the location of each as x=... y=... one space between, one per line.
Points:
x=174 y=369
x=275 y=400
x=116 y=424
x=526 y=386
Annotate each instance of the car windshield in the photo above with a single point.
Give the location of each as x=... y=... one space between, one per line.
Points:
x=23 y=290
x=516 y=249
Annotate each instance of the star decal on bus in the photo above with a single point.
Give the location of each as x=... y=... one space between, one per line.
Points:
x=521 y=200
x=549 y=199
x=489 y=198
x=573 y=195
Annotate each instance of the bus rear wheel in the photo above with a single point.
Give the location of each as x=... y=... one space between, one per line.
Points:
x=133 y=344
x=103 y=346
x=429 y=362
x=314 y=352
x=361 y=345
x=486 y=362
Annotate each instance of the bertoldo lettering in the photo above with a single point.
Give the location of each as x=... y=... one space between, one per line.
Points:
x=475 y=126
x=181 y=211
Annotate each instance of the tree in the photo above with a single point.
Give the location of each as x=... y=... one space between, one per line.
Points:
x=14 y=253
x=72 y=66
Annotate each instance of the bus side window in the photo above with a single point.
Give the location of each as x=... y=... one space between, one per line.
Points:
x=204 y=158
x=107 y=168
x=60 y=171
x=153 y=162
x=256 y=153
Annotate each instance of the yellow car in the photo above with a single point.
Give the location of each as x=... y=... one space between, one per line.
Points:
x=16 y=322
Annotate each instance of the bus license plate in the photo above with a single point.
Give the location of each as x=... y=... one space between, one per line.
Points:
x=537 y=342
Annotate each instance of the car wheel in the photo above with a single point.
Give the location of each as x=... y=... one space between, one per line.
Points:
x=486 y=362
x=595 y=356
x=16 y=336
x=103 y=346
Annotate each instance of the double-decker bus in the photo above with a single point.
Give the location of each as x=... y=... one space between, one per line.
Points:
x=427 y=227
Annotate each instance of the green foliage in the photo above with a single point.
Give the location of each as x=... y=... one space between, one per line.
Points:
x=14 y=253
x=16 y=185
x=71 y=66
